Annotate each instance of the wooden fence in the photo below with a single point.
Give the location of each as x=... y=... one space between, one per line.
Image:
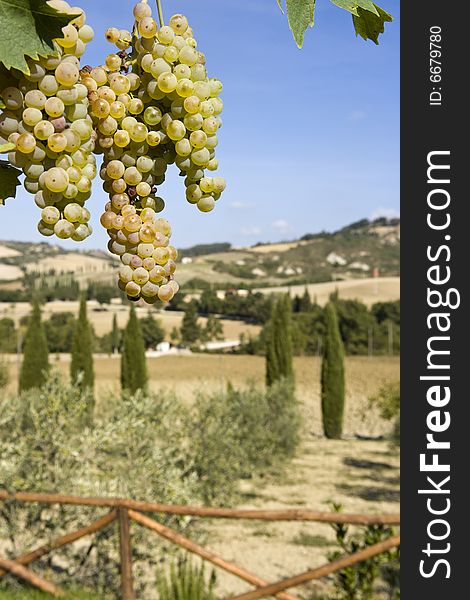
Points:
x=125 y=511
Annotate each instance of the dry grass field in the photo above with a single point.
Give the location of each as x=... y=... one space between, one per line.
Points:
x=102 y=317
x=369 y=290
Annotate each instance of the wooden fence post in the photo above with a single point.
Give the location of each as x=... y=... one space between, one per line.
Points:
x=127 y=587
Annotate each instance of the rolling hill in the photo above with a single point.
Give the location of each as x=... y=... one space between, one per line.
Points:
x=361 y=250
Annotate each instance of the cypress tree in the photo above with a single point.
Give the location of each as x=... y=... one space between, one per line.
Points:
x=81 y=367
x=279 y=342
x=134 y=374
x=190 y=330
x=115 y=337
x=332 y=376
x=35 y=364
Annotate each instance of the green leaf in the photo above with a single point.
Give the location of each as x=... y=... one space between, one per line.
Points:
x=6 y=147
x=353 y=6
x=369 y=26
x=301 y=16
x=27 y=28
x=9 y=181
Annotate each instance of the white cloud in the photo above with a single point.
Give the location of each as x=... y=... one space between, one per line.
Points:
x=240 y=205
x=250 y=231
x=388 y=213
x=282 y=226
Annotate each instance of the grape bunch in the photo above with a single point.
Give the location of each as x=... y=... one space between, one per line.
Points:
x=46 y=118
x=137 y=102
x=151 y=104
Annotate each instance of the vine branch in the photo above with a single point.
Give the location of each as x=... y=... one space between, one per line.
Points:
x=160 y=13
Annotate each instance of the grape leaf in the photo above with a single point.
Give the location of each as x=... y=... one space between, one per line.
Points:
x=369 y=26
x=7 y=147
x=27 y=28
x=353 y=6
x=301 y=15
x=8 y=181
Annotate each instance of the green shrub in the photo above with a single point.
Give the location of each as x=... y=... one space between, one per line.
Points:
x=387 y=400
x=238 y=433
x=185 y=581
x=362 y=580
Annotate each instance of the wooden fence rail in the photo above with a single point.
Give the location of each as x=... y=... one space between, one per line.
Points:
x=127 y=510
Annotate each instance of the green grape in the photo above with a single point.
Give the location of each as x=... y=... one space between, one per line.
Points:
x=81 y=232
x=67 y=74
x=45 y=229
x=54 y=107
x=160 y=66
x=133 y=289
x=179 y=24
x=83 y=128
x=193 y=193
x=143 y=189
x=198 y=139
x=12 y=98
x=145 y=164
x=86 y=33
x=206 y=204
x=69 y=96
x=132 y=176
x=72 y=212
x=198 y=72
x=50 y=215
x=193 y=122
x=148 y=27
x=192 y=104
x=113 y=62
x=112 y=35
x=35 y=99
x=122 y=138
x=26 y=143
x=139 y=132
x=32 y=116
x=128 y=123
x=73 y=140
x=176 y=130
x=115 y=169
x=185 y=88
x=182 y=72
x=48 y=85
x=167 y=82
x=136 y=106
x=84 y=185
x=8 y=123
x=117 y=110
x=108 y=126
x=183 y=147
x=63 y=229
x=188 y=56
x=210 y=125
x=152 y=115
x=202 y=90
x=57 y=142
x=200 y=157
x=71 y=192
x=120 y=85
x=56 y=180
x=165 y=35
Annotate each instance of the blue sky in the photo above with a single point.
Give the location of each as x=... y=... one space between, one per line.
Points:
x=310 y=139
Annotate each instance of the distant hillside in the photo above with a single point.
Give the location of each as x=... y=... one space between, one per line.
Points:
x=355 y=251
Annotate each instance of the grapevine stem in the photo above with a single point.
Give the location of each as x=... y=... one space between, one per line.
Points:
x=160 y=13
